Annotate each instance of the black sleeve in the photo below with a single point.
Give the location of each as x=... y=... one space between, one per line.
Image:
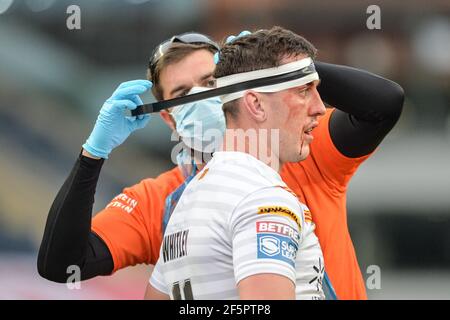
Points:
x=68 y=239
x=367 y=107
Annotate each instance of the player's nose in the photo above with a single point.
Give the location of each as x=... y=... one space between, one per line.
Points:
x=317 y=107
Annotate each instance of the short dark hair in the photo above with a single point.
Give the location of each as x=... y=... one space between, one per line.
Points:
x=259 y=50
x=176 y=53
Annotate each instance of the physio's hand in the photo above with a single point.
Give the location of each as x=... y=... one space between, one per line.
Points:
x=113 y=127
x=228 y=40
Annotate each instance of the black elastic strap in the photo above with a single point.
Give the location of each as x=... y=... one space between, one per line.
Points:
x=246 y=85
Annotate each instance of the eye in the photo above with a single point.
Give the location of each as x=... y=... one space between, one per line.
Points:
x=183 y=93
x=304 y=91
x=210 y=83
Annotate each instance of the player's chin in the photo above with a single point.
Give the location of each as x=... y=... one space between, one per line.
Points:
x=304 y=152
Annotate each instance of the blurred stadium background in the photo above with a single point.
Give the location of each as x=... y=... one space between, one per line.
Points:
x=53 y=82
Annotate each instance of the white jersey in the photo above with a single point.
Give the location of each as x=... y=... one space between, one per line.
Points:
x=235 y=219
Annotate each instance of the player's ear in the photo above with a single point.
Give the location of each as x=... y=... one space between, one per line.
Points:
x=167 y=118
x=254 y=104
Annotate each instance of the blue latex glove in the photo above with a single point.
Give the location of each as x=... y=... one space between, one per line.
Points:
x=113 y=127
x=228 y=40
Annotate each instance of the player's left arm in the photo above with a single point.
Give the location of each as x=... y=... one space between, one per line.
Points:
x=266 y=286
x=367 y=107
x=266 y=232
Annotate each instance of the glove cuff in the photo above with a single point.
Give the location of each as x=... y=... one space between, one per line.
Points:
x=94 y=151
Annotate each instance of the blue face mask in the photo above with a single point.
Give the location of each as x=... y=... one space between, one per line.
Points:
x=201 y=124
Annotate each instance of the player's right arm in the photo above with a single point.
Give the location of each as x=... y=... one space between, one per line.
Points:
x=156 y=287
x=68 y=239
x=266 y=231
x=151 y=293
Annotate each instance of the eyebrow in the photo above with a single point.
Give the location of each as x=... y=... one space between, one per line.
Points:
x=206 y=76
x=184 y=87
x=310 y=84
x=179 y=88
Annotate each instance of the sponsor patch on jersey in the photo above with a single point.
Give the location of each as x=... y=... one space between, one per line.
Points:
x=124 y=202
x=278 y=228
x=307 y=214
x=281 y=211
x=277 y=241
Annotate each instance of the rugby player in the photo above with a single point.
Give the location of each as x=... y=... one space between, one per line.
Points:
x=237 y=230
x=129 y=230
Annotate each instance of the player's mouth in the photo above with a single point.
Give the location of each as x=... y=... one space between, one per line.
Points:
x=308 y=131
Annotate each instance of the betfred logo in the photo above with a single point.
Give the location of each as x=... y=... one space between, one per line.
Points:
x=277 y=228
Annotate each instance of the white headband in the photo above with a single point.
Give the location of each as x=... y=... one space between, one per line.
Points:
x=258 y=74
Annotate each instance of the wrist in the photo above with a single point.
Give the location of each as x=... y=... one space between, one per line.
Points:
x=87 y=154
x=94 y=152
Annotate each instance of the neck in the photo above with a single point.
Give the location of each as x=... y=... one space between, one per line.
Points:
x=199 y=161
x=261 y=143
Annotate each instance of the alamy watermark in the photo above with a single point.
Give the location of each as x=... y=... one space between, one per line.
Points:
x=373 y=22
x=74 y=280
x=373 y=281
x=263 y=144
x=73 y=21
